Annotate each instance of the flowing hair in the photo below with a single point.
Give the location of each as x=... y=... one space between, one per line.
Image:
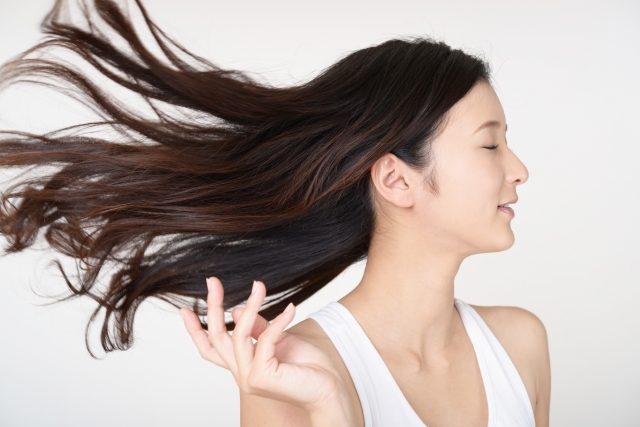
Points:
x=228 y=177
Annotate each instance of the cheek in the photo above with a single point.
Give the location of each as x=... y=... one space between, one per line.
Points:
x=473 y=186
x=470 y=188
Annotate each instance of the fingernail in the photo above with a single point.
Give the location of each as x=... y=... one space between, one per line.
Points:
x=289 y=307
x=181 y=314
x=209 y=284
x=255 y=286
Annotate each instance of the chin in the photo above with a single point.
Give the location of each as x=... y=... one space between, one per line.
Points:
x=502 y=242
x=507 y=242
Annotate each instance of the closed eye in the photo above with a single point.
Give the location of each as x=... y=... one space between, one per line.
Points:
x=492 y=147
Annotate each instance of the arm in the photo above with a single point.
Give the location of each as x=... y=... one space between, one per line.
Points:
x=256 y=411
x=260 y=411
x=543 y=378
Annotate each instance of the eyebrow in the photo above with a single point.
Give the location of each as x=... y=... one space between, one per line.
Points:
x=489 y=124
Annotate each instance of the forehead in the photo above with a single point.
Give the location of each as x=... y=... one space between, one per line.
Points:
x=478 y=106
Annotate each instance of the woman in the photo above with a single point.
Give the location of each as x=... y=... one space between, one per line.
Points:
x=397 y=154
x=405 y=304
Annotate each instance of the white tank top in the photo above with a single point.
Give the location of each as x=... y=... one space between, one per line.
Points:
x=383 y=403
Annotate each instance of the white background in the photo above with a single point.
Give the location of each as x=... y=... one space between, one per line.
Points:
x=567 y=73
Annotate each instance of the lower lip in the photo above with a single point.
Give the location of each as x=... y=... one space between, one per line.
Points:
x=508 y=211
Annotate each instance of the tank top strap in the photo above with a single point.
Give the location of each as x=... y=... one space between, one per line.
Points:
x=381 y=399
x=511 y=403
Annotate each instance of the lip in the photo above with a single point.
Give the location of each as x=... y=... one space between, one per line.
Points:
x=508 y=211
x=509 y=203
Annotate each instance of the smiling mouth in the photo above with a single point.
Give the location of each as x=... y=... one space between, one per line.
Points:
x=506 y=204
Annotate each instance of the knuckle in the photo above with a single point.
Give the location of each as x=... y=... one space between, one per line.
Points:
x=235 y=336
x=202 y=354
x=214 y=336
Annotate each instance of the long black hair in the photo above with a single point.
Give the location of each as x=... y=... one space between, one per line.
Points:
x=230 y=178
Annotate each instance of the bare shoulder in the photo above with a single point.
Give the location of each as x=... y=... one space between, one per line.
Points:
x=524 y=338
x=309 y=330
x=515 y=324
x=521 y=333
x=312 y=332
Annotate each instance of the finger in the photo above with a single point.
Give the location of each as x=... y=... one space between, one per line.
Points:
x=258 y=327
x=266 y=347
x=201 y=338
x=242 y=344
x=218 y=335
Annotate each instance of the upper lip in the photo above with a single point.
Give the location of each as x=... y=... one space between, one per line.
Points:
x=509 y=203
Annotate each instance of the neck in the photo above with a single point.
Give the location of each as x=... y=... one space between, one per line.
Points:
x=405 y=300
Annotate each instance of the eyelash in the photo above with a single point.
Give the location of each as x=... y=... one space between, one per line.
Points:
x=492 y=147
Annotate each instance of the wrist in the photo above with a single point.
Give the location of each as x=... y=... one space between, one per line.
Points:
x=333 y=413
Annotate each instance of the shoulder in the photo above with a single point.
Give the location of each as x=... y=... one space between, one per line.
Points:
x=521 y=333
x=514 y=324
x=524 y=338
x=313 y=333
x=309 y=330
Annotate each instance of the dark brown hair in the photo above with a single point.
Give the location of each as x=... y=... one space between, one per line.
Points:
x=231 y=178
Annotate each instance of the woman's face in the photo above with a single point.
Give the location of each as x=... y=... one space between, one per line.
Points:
x=472 y=179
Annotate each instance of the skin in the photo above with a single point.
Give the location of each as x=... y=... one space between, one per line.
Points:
x=405 y=300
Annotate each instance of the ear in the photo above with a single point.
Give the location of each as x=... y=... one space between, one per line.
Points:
x=394 y=180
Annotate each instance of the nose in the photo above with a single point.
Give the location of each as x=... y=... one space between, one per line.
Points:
x=517 y=172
